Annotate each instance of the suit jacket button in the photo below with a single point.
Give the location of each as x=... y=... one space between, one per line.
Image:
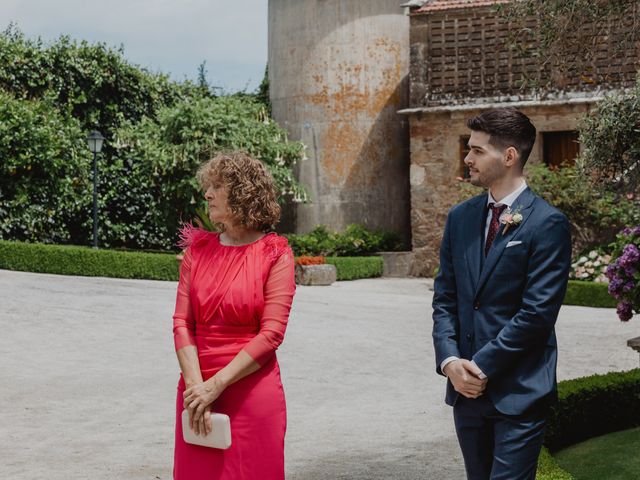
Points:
x=476 y=306
x=469 y=336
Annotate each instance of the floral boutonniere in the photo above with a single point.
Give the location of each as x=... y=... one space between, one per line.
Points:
x=510 y=218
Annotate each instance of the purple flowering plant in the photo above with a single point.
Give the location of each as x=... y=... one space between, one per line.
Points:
x=624 y=272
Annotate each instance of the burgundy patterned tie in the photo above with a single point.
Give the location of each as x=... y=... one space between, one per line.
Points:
x=494 y=226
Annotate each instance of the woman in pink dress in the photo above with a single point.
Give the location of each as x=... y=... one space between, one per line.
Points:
x=233 y=302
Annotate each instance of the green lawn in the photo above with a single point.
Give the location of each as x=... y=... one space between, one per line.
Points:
x=610 y=457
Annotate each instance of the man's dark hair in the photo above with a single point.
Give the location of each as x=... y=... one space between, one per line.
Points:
x=508 y=127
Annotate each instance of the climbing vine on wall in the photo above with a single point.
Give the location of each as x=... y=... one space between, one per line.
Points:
x=573 y=39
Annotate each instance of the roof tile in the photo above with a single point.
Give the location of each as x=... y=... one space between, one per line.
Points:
x=439 y=5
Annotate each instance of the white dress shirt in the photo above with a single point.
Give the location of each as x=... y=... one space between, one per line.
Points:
x=508 y=201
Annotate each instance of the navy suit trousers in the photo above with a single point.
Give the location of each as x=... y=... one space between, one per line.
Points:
x=496 y=446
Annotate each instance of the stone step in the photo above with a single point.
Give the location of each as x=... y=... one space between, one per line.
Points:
x=397 y=264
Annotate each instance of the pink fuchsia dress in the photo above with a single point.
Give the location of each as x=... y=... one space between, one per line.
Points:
x=233 y=298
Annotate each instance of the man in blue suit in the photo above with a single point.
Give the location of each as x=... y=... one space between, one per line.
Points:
x=504 y=265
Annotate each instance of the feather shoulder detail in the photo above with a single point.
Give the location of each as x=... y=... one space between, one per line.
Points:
x=190 y=235
x=275 y=246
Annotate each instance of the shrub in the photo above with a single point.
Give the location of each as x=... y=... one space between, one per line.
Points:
x=595 y=216
x=592 y=406
x=624 y=273
x=590 y=267
x=588 y=294
x=356 y=240
x=353 y=268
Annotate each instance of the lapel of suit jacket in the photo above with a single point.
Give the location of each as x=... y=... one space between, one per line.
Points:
x=474 y=232
x=524 y=200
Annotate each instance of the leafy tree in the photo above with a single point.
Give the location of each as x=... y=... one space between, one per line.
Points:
x=158 y=132
x=150 y=186
x=91 y=82
x=610 y=137
x=203 y=85
x=45 y=181
x=262 y=95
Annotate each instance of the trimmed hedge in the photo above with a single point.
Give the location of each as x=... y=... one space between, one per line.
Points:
x=588 y=407
x=591 y=406
x=353 y=268
x=73 y=260
x=84 y=261
x=589 y=294
x=548 y=469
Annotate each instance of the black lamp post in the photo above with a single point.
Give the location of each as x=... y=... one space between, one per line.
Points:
x=95 y=140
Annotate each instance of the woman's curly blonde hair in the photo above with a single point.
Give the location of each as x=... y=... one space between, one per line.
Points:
x=250 y=188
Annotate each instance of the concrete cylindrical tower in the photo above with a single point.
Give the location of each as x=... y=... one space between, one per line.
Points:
x=338 y=73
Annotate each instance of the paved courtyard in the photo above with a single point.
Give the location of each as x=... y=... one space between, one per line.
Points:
x=88 y=379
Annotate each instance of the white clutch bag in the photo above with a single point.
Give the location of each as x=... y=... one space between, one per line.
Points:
x=219 y=437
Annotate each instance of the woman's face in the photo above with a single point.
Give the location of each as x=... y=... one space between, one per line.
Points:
x=216 y=196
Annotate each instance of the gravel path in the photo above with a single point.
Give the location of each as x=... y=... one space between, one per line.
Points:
x=87 y=385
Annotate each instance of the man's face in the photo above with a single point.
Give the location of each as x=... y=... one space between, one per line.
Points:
x=485 y=162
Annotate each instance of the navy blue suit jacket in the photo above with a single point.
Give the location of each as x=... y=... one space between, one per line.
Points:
x=500 y=311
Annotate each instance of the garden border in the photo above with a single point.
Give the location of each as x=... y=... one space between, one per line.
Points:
x=588 y=407
x=589 y=294
x=89 y=262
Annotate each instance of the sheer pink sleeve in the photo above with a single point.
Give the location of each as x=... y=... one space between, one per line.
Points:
x=184 y=326
x=278 y=296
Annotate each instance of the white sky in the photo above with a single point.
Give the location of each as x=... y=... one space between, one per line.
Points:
x=171 y=36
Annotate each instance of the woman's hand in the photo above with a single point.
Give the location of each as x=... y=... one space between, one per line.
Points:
x=204 y=424
x=197 y=400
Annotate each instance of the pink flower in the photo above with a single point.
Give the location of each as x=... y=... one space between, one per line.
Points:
x=508 y=218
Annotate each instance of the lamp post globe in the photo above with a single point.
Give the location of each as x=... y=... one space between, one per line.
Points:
x=95 y=141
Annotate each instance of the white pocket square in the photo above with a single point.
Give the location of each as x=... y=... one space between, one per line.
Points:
x=513 y=244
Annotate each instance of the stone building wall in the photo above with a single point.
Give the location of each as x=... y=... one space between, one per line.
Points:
x=460 y=65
